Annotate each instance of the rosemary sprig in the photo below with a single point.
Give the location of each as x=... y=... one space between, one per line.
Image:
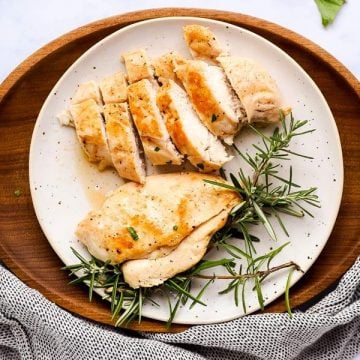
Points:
x=261 y=199
x=258 y=197
x=98 y=274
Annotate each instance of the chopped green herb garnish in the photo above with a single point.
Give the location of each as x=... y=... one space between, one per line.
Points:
x=157 y=149
x=133 y=233
x=213 y=117
x=200 y=166
x=17 y=192
x=175 y=227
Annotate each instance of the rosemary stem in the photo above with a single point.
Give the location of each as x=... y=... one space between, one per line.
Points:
x=251 y=275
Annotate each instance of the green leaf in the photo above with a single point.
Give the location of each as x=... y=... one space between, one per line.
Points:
x=174 y=286
x=264 y=220
x=201 y=292
x=226 y=186
x=259 y=293
x=329 y=9
x=287 y=292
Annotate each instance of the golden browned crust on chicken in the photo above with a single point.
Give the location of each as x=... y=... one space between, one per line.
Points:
x=164 y=67
x=114 y=88
x=190 y=136
x=150 y=125
x=136 y=220
x=90 y=131
x=123 y=144
x=153 y=272
x=138 y=65
x=202 y=42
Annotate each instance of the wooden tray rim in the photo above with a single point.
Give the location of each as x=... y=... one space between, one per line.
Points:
x=10 y=83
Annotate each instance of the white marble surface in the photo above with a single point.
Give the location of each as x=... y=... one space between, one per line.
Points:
x=26 y=25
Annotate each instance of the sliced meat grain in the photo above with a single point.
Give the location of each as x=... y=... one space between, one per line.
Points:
x=190 y=136
x=256 y=89
x=212 y=97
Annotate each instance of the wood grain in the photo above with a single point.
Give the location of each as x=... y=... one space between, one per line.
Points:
x=24 y=248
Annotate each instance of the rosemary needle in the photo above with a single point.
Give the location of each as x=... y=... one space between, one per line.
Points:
x=287 y=292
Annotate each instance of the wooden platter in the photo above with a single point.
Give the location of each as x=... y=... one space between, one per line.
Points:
x=24 y=248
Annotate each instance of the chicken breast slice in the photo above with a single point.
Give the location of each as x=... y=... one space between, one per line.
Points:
x=212 y=98
x=114 y=88
x=136 y=220
x=123 y=144
x=138 y=66
x=153 y=272
x=90 y=130
x=154 y=136
x=65 y=118
x=255 y=87
x=86 y=91
x=202 y=43
x=164 y=67
x=190 y=136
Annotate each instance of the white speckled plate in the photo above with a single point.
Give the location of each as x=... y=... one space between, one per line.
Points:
x=69 y=186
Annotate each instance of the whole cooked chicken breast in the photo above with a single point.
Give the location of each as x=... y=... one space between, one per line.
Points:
x=136 y=219
x=212 y=98
x=90 y=130
x=154 y=136
x=114 y=88
x=202 y=43
x=153 y=272
x=190 y=136
x=138 y=65
x=123 y=144
x=86 y=91
x=255 y=87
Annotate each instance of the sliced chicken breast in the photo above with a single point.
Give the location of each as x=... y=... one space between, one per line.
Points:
x=190 y=136
x=136 y=220
x=202 y=43
x=65 y=118
x=153 y=272
x=255 y=87
x=138 y=65
x=164 y=67
x=90 y=130
x=154 y=136
x=114 y=88
x=123 y=144
x=86 y=91
x=212 y=98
